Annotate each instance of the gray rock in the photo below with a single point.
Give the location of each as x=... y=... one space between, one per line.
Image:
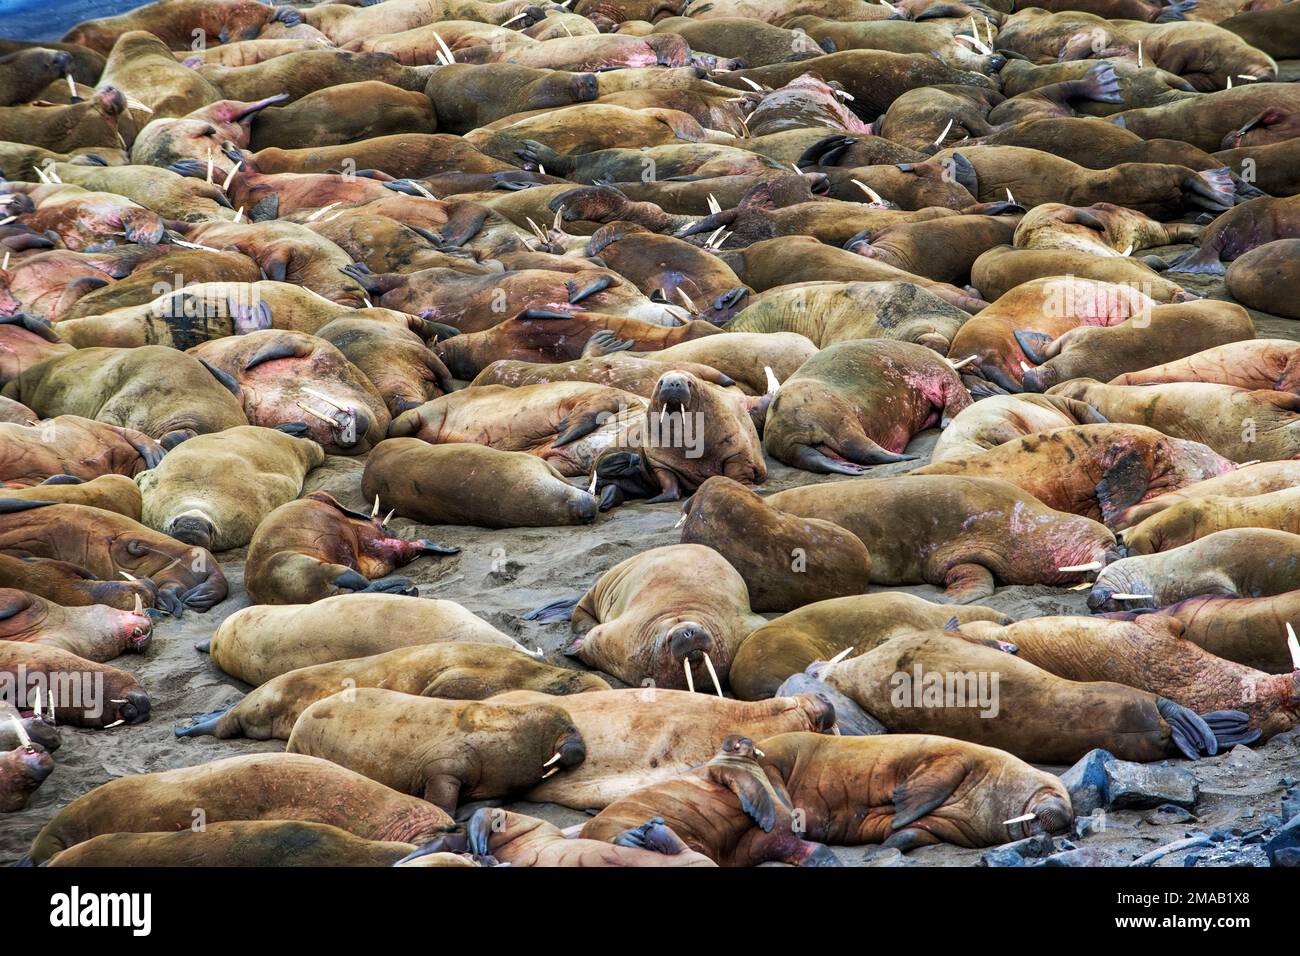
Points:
x=851 y=719
x=1100 y=780
x=1168 y=813
x=1086 y=781
x=1287 y=838
x=1287 y=856
x=1083 y=856
x=1002 y=856
x=1015 y=854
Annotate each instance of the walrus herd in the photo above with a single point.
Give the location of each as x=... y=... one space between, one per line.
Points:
x=890 y=306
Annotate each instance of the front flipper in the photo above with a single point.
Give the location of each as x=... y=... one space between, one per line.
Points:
x=965 y=583
x=555 y=611
x=926 y=789
x=431 y=547
x=1231 y=727
x=443 y=791
x=1033 y=344
x=654 y=835
x=756 y=796
x=1123 y=485
x=1190 y=733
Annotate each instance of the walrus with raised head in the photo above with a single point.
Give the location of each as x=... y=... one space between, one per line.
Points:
x=214 y=490
x=728 y=809
x=31 y=453
x=95 y=123
x=315 y=548
x=1000 y=419
x=473 y=484
x=151 y=390
x=859 y=403
x=786 y=561
x=913 y=790
x=265 y=786
x=98 y=633
x=637 y=737
x=144 y=69
x=824 y=630
x=259 y=643
x=81 y=693
x=960 y=533
x=448 y=752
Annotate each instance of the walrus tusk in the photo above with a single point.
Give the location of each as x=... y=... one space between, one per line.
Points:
x=944 y=134
x=192 y=245
x=1139 y=54
x=680 y=521
x=713 y=675
x=389 y=517
x=1128 y=251
x=239 y=215
x=326 y=399
x=72 y=84
x=364 y=298
x=1010 y=198
x=690 y=680
x=113 y=724
x=1081 y=587
x=36 y=703
x=591 y=488
x=4 y=222
x=517 y=16
x=117 y=700
x=1023 y=818
x=137 y=105
x=554 y=757
x=1132 y=597
x=537 y=230
x=759 y=753
x=374 y=512
x=681 y=294
x=1229 y=85
x=715 y=207
x=559 y=218
x=318 y=213
x=1090 y=566
x=963 y=363
x=977 y=44
x=5 y=264
x=40 y=174
x=419 y=188
x=1293 y=645
x=230 y=177
x=139 y=605
x=313 y=412
x=871 y=193
x=835 y=729
x=844 y=95
x=1253 y=461
x=1025 y=366
x=127 y=576
x=443 y=46
x=22 y=731
x=773 y=383
x=708 y=243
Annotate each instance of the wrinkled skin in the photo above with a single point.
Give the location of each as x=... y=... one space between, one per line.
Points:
x=124 y=699
x=402 y=369
x=1257 y=278
x=1240 y=230
x=72 y=445
x=1253 y=364
x=173 y=22
x=1000 y=270
x=744 y=356
x=98 y=633
x=631 y=373
x=1248 y=480
x=1195 y=518
x=1000 y=419
x=115 y=493
x=26 y=341
x=71 y=585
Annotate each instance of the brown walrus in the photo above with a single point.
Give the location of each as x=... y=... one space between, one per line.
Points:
x=75 y=446
x=727 y=809
x=642 y=736
x=315 y=548
x=90 y=124
x=448 y=752
x=744 y=357
x=957 y=532
x=819 y=632
x=82 y=693
x=472 y=484
x=911 y=790
x=25 y=341
x=936 y=682
x=1151 y=654
x=1251 y=479
x=106 y=545
x=256 y=644
x=22 y=771
x=344 y=114
x=1000 y=270
x=1251 y=364
x=786 y=561
x=98 y=633
x=632 y=373
x=267 y=786
x=1239 y=230
x=859 y=403
x=999 y=419
x=1195 y=518
x=459 y=671
x=144 y=69
x=402 y=369
x=1092 y=470
x=116 y=493
x=70 y=585
x=174 y=21
x=1257 y=278
x=152 y=389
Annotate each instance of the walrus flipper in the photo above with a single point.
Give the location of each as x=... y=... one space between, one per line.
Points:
x=1191 y=734
x=810 y=459
x=1231 y=727
x=10 y=506
x=755 y=798
x=561 y=610
x=62 y=480
x=1033 y=344
x=204 y=723
x=965 y=583
x=1176 y=11
x=654 y=835
x=925 y=790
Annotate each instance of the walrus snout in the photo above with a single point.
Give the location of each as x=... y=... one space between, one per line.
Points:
x=673 y=391
x=689 y=641
x=738 y=746
x=571 y=748
x=584 y=507
x=193 y=529
x=138 y=630
x=36 y=762
x=1052 y=813
x=134 y=708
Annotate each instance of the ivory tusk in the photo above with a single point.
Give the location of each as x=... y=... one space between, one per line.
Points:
x=137 y=105
x=690 y=679
x=559 y=218
x=443 y=46
x=963 y=363
x=139 y=605
x=591 y=488
x=326 y=399
x=316 y=414
x=72 y=84
x=1025 y=366
x=114 y=724
x=1023 y=818
x=239 y=215
x=680 y=521
x=713 y=675
x=944 y=134
x=681 y=294
x=127 y=576
x=871 y=193
x=319 y=212
x=773 y=383
x=374 y=512
x=1293 y=645
x=1090 y=566
x=389 y=517
x=21 y=730
x=715 y=207
x=230 y=177
x=554 y=757
x=1131 y=597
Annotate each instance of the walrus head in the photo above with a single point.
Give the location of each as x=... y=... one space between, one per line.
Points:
x=29 y=765
x=185 y=577
x=193 y=527
x=694 y=430
x=1047 y=811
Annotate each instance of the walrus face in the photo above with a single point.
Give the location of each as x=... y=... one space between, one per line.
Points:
x=133 y=708
x=914 y=185
x=695 y=431
x=681 y=649
x=738 y=746
x=1051 y=813
x=192 y=527
x=1122 y=587
x=570 y=750
x=185 y=577
x=31 y=763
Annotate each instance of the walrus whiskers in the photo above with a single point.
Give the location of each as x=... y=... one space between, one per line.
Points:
x=713 y=675
x=1090 y=566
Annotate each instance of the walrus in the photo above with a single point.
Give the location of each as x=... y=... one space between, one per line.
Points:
x=295 y=75
x=167 y=193
x=1000 y=270
x=744 y=357
x=144 y=69
x=1248 y=480
x=104 y=545
x=1103 y=229
x=637 y=374
x=91 y=124
x=1239 y=424
x=151 y=390
x=343 y=23
x=315 y=548
x=97 y=633
x=960 y=533
x=396 y=361
x=1238 y=562
x=727 y=809
x=173 y=22
x=1256 y=278
x=499 y=837
x=25 y=72
x=448 y=752
x=637 y=737
x=821 y=631
x=1092 y=470
x=1271 y=168
x=71 y=585
x=1271 y=29
x=785 y=561
x=1251 y=364
x=73 y=446
x=259 y=643
x=404 y=156
x=646 y=622
x=293 y=378
x=449 y=670
x=84 y=220
x=832 y=312
x=1151 y=654
x=116 y=493
x=1239 y=230
x=344 y=114
x=39 y=728
x=1249 y=114
x=1000 y=419
x=472 y=484
x=82 y=693
x=940 y=249
x=200 y=137
x=264 y=786
x=249 y=52
x=930 y=682
x=859 y=403
x=753 y=41
x=897 y=36
x=585 y=128
x=214 y=490
x=1092 y=142
x=1195 y=518
x=230 y=843
x=22 y=771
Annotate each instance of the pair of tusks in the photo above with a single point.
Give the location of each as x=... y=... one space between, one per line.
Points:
x=445 y=56
x=349 y=412
x=554 y=757
x=715 y=241
x=715 y=207
x=319 y=212
x=690 y=678
x=49 y=177
x=871 y=193
x=690 y=304
x=374 y=512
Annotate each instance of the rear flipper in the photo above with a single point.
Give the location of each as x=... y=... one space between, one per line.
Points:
x=432 y=547
x=1191 y=734
x=811 y=459
x=1231 y=727
x=1033 y=344
x=204 y=723
x=965 y=583
x=1176 y=11
x=604 y=343
x=355 y=581
x=1203 y=261
x=653 y=835
x=555 y=611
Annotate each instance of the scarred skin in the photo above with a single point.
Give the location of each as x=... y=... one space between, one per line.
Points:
x=98 y=633
x=1252 y=364
x=1248 y=480
x=447 y=670
x=214 y=490
x=448 y=752
x=200 y=135
x=958 y=532
x=50 y=283
x=817 y=632
x=1238 y=424
x=1000 y=419
x=259 y=643
x=170 y=265
x=1152 y=654
x=1092 y=470
x=278 y=371
x=859 y=403
x=106 y=544
x=1189 y=520
x=151 y=389
x=647 y=622
x=1000 y=270
x=174 y=20
x=315 y=548
x=85 y=219
x=1241 y=229
x=801 y=102
x=909 y=790
x=639 y=737
x=832 y=312
x=1037 y=716
x=1258 y=278
x=236 y=843
x=786 y=561
x=75 y=685
x=265 y=786
x=1238 y=562
x=22 y=771
x=72 y=445
x=727 y=809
